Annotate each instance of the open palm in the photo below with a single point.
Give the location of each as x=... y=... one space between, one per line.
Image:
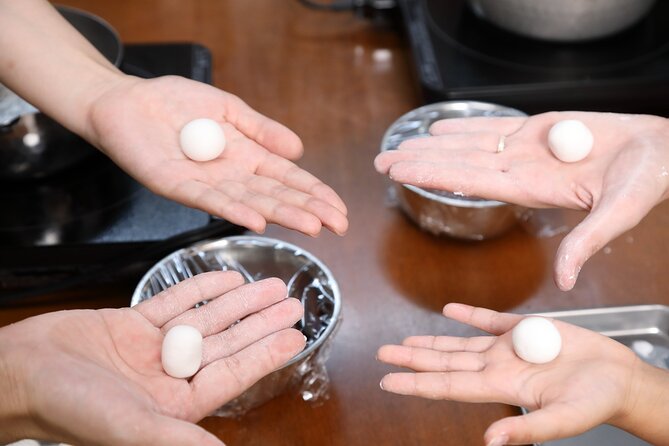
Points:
x=95 y=377
x=586 y=385
x=137 y=123
x=625 y=175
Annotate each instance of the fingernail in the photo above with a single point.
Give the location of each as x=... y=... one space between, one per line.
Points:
x=500 y=440
x=570 y=281
x=305 y=338
x=381 y=385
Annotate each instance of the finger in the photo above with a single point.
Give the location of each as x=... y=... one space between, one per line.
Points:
x=279 y=316
x=499 y=125
x=551 y=423
x=167 y=431
x=185 y=295
x=292 y=176
x=271 y=209
x=443 y=158
x=427 y=360
x=234 y=305
x=605 y=222
x=487 y=320
x=455 y=386
x=486 y=141
x=268 y=133
x=476 y=344
x=226 y=378
x=472 y=181
x=329 y=215
x=199 y=195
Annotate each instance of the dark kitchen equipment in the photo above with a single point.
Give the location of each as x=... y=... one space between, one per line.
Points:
x=562 y=20
x=32 y=145
x=459 y=56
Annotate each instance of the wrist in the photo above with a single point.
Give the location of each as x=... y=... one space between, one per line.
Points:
x=645 y=410
x=14 y=411
x=100 y=84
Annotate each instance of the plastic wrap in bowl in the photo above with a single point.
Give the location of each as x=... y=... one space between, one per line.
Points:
x=256 y=258
x=442 y=212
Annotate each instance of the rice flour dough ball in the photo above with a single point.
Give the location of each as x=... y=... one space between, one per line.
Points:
x=202 y=139
x=182 y=351
x=536 y=340
x=570 y=140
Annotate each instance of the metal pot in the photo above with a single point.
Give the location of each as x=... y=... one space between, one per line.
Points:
x=32 y=145
x=449 y=213
x=562 y=20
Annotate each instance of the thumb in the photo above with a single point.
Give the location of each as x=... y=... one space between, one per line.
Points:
x=605 y=222
x=167 y=431
x=551 y=423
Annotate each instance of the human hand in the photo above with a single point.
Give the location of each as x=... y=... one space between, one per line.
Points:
x=589 y=383
x=623 y=178
x=95 y=377
x=136 y=122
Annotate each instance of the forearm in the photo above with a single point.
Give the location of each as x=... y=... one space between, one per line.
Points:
x=647 y=408
x=47 y=62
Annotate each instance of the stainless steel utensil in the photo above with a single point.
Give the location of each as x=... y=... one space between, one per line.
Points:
x=449 y=213
x=562 y=20
x=255 y=257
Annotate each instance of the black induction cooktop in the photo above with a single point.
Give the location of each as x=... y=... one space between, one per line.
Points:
x=92 y=219
x=459 y=56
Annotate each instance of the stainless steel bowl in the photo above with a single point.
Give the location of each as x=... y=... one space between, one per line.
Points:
x=256 y=258
x=562 y=20
x=449 y=213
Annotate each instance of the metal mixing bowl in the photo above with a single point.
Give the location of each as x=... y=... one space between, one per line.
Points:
x=449 y=213
x=562 y=20
x=256 y=258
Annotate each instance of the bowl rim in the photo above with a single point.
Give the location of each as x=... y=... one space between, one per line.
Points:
x=212 y=244
x=462 y=104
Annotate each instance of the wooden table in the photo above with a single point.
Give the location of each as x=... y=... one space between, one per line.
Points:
x=339 y=81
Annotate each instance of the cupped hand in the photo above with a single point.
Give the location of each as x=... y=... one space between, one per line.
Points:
x=623 y=178
x=95 y=377
x=589 y=383
x=136 y=122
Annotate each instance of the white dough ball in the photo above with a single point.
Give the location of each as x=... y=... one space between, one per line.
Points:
x=570 y=140
x=182 y=351
x=536 y=340
x=202 y=139
x=25 y=443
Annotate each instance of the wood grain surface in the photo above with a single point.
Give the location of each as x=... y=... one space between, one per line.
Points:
x=339 y=81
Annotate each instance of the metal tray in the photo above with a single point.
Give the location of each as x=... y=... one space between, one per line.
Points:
x=640 y=324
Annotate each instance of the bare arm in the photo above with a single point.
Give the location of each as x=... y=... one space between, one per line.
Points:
x=50 y=64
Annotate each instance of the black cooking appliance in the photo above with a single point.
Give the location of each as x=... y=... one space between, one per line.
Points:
x=459 y=56
x=91 y=221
